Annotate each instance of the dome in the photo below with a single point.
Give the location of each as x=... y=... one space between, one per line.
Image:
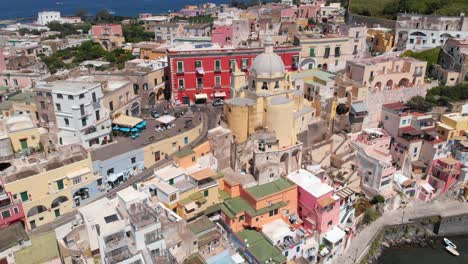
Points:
x=267 y=63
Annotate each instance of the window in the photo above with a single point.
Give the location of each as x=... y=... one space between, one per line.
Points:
x=232 y=64
x=15 y=82
x=83 y=121
x=273 y=212
x=81 y=96
x=217 y=65
x=218 y=81
x=386 y=117
x=264 y=86
x=198 y=64
x=286 y=253
x=357 y=34
x=276 y=84
x=336 y=62
x=206 y=193
x=111 y=106
x=298 y=248
x=312 y=52
x=42 y=105
x=60 y=184
x=66 y=121
x=16 y=210
x=337 y=51
x=241 y=218
x=173 y=197
x=6 y=214
x=77 y=180
x=185 y=140
x=98 y=117
x=174 y=146
x=136 y=87
x=411 y=41
x=171 y=181
x=355 y=51
x=327 y=52
x=180 y=66
x=155 y=81
x=330 y=223
x=199 y=82
x=145 y=86
x=24 y=196
x=245 y=63
x=181 y=84
x=60 y=96
x=70 y=97
x=59 y=107
x=403 y=122
x=133 y=160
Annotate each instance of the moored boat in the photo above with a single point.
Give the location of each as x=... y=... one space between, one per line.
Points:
x=450 y=243
x=452 y=250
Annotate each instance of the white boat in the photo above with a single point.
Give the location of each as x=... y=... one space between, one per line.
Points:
x=452 y=250
x=450 y=243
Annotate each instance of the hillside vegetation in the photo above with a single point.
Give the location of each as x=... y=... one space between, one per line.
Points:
x=390 y=8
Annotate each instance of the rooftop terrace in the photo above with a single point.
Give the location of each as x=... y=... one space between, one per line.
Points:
x=267 y=189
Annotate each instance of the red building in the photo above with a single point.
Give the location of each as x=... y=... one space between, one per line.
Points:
x=444 y=173
x=11 y=210
x=202 y=72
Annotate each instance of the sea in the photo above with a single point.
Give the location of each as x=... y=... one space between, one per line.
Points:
x=427 y=255
x=13 y=9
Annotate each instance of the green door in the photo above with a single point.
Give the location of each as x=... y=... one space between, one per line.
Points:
x=186 y=100
x=312 y=52
x=57 y=212
x=24 y=196
x=24 y=143
x=171 y=181
x=60 y=184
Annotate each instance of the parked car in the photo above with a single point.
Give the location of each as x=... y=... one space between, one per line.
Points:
x=155 y=114
x=218 y=102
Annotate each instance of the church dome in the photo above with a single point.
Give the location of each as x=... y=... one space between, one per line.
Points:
x=267 y=63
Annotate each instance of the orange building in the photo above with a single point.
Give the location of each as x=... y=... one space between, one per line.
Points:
x=255 y=206
x=188 y=157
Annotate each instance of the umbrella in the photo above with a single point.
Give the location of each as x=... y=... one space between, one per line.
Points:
x=125 y=129
x=115 y=128
x=134 y=129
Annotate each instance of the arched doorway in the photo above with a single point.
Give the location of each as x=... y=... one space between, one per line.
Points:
x=404 y=82
x=389 y=85
x=284 y=164
x=377 y=86
x=135 y=109
x=58 y=201
x=152 y=99
x=36 y=210
x=325 y=67
x=308 y=63
x=296 y=157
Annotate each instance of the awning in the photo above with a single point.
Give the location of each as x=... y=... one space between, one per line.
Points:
x=126 y=121
x=220 y=94
x=166 y=119
x=202 y=96
x=326 y=202
x=191 y=206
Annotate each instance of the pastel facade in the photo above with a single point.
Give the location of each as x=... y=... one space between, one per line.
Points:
x=453 y=126
x=444 y=173
x=453 y=62
x=222 y=34
x=110 y=36
x=318 y=207
x=373 y=160
x=381 y=40
x=331 y=51
x=49 y=192
x=256 y=206
x=415 y=31
x=11 y=208
x=387 y=73
x=23 y=132
x=45 y=17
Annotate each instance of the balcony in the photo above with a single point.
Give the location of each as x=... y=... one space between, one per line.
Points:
x=217 y=86
x=199 y=86
x=217 y=69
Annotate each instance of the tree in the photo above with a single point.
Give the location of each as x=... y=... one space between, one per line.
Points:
x=419 y=103
x=378 y=199
x=104 y=16
x=136 y=33
x=370 y=215
x=82 y=13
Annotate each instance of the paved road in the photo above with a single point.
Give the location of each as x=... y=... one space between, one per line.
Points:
x=360 y=242
x=210 y=117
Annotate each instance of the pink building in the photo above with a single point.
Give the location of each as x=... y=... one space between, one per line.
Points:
x=309 y=11
x=318 y=208
x=373 y=160
x=107 y=30
x=288 y=13
x=11 y=210
x=444 y=173
x=222 y=35
x=191 y=12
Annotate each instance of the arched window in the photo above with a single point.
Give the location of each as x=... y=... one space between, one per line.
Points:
x=276 y=84
x=264 y=86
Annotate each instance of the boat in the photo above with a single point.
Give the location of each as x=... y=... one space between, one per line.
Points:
x=450 y=243
x=452 y=250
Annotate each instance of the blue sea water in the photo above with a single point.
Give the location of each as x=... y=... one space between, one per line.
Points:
x=10 y=9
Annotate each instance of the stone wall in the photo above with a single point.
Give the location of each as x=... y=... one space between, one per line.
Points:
x=454 y=225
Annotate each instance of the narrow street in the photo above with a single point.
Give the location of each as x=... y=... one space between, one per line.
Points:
x=360 y=242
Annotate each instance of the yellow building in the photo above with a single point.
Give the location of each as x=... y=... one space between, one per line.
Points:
x=23 y=132
x=267 y=101
x=150 y=50
x=54 y=189
x=453 y=126
x=380 y=39
x=20 y=103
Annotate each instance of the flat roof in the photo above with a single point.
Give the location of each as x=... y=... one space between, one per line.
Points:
x=276 y=230
x=309 y=182
x=129 y=194
x=169 y=172
x=334 y=235
x=268 y=189
x=260 y=247
x=68 y=86
x=200 y=225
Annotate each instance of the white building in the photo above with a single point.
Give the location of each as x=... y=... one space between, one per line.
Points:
x=428 y=31
x=80 y=115
x=45 y=17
